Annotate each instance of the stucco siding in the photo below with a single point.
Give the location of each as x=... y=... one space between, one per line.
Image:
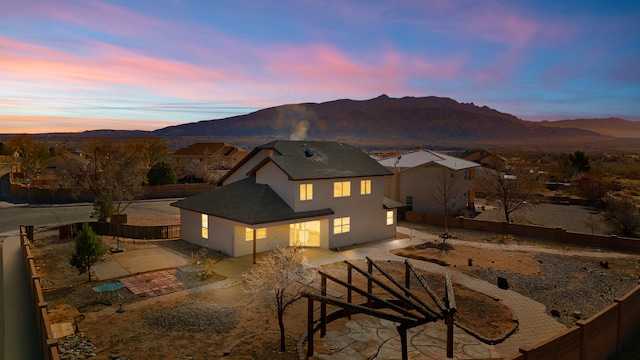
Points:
x=273 y=176
x=190 y=227
x=241 y=172
x=276 y=236
x=220 y=232
x=422 y=183
x=366 y=213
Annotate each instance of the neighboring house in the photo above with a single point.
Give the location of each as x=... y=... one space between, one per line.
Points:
x=205 y=159
x=487 y=158
x=425 y=181
x=306 y=193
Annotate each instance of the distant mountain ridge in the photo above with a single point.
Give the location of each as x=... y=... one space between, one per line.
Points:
x=380 y=119
x=436 y=122
x=609 y=126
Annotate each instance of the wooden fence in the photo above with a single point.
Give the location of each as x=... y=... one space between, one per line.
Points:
x=598 y=337
x=47 y=341
x=130 y=231
x=611 y=242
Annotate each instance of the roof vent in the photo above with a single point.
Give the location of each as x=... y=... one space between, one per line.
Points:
x=309 y=152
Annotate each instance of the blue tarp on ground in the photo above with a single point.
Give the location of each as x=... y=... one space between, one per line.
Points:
x=108 y=287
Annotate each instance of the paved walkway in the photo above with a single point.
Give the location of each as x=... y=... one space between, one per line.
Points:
x=138 y=261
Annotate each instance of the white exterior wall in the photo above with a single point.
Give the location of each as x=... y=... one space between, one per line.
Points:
x=191 y=227
x=273 y=176
x=276 y=236
x=220 y=232
x=367 y=215
x=421 y=183
x=241 y=172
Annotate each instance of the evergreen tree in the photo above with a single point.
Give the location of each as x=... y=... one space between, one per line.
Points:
x=161 y=174
x=88 y=250
x=103 y=207
x=580 y=161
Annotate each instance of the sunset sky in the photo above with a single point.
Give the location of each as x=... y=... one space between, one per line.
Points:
x=146 y=64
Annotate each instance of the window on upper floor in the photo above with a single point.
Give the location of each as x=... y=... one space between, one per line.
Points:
x=205 y=226
x=390 y=217
x=341 y=225
x=365 y=187
x=341 y=189
x=261 y=233
x=466 y=174
x=306 y=192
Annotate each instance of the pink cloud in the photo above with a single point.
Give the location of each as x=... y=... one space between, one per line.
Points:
x=502 y=25
x=323 y=68
x=106 y=64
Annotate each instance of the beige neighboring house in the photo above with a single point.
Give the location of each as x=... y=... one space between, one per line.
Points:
x=487 y=159
x=206 y=160
x=305 y=193
x=425 y=180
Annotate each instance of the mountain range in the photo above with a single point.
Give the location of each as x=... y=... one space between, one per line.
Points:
x=431 y=121
x=417 y=120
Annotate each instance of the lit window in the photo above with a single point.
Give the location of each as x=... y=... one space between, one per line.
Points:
x=205 y=226
x=365 y=187
x=390 y=217
x=260 y=233
x=341 y=225
x=306 y=192
x=342 y=188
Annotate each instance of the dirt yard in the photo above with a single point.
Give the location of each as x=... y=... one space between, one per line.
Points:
x=207 y=323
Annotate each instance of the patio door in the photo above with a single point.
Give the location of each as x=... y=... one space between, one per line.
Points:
x=305 y=234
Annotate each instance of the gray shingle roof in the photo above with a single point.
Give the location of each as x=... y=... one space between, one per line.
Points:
x=246 y=202
x=388 y=203
x=304 y=160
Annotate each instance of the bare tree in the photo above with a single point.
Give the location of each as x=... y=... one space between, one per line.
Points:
x=152 y=150
x=116 y=170
x=444 y=191
x=624 y=216
x=593 y=222
x=30 y=153
x=285 y=273
x=512 y=186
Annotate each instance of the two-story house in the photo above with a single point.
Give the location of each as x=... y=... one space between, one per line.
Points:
x=206 y=160
x=304 y=193
x=431 y=182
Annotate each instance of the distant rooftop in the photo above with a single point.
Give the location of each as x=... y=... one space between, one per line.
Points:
x=424 y=157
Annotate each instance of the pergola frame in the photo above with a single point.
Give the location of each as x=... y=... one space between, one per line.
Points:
x=407 y=309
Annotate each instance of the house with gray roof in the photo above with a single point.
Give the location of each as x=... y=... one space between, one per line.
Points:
x=303 y=193
x=431 y=182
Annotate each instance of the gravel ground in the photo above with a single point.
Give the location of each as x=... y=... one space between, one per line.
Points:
x=572 y=218
x=576 y=287
x=194 y=317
